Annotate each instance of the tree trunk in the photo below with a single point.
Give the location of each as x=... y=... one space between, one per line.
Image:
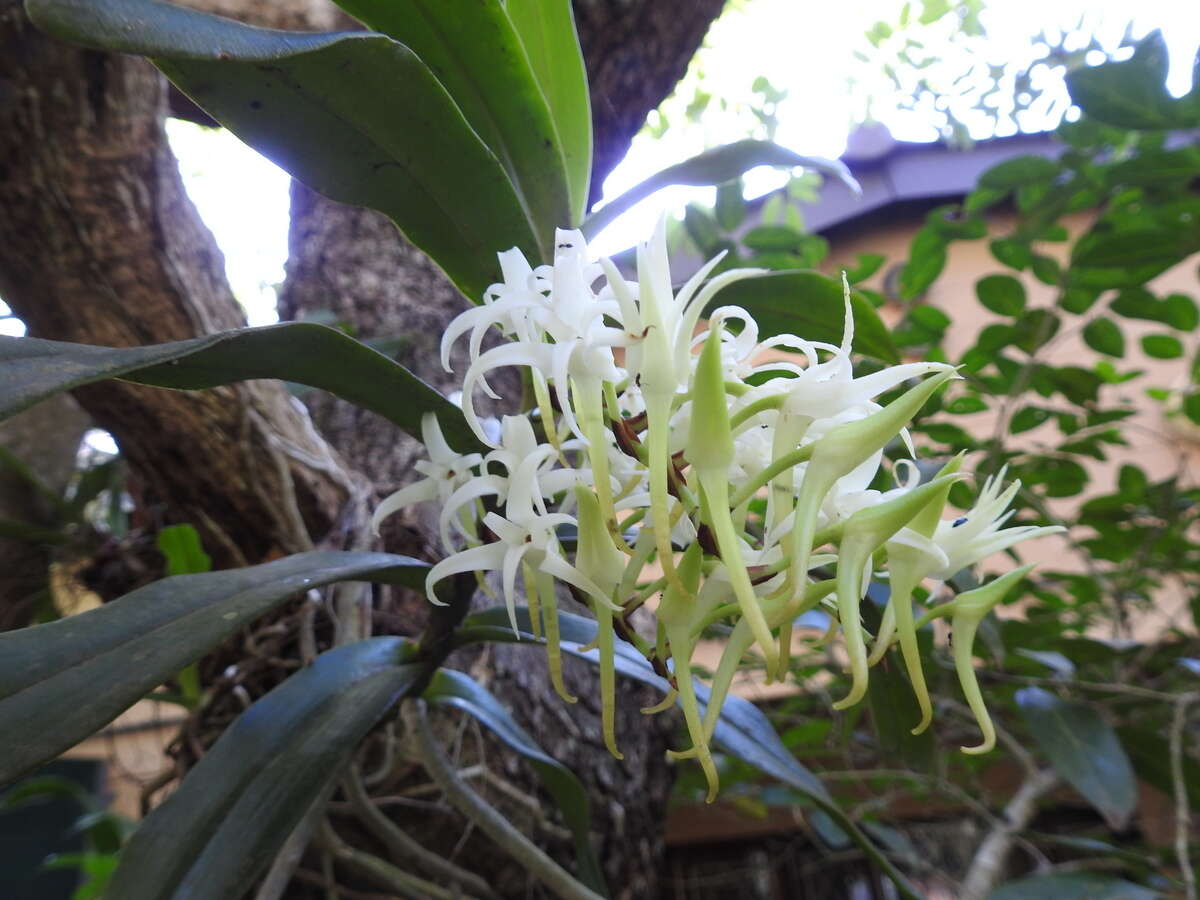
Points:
x=99 y=244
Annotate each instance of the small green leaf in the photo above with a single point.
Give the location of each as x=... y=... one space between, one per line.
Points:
x=811 y=305
x=181 y=546
x=61 y=681
x=731 y=205
x=1002 y=294
x=1105 y=336
x=1018 y=171
x=1162 y=346
x=301 y=352
x=451 y=688
x=1012 y=253
x=767 y=238
x=224 y=824
x=1181 y=312
x=1035 y=328
x=868 y=264
x=701 y=228
x=1028 y=418
x=1084 y=750
x=926 y=259
x=715 y=166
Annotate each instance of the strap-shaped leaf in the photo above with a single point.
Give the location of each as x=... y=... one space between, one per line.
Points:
x=457 y=689
x=742 y=729
x=224 y=824
x=32 y=370
x=715 y=166
x=1085 y=751
x=547 y=31
x=812 y=306
x=475 y=52
x=61 y=681
x=356 y=116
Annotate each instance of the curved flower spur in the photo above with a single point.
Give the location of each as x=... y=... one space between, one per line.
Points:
x=657 y=446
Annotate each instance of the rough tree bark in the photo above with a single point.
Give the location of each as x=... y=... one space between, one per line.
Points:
x=99 y=244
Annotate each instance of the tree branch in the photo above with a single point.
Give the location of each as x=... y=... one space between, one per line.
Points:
x=987 y=866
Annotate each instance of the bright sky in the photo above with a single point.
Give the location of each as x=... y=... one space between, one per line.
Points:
x=801 y=48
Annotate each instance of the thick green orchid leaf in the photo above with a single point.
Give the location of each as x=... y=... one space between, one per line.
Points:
x=1084 y=750
x=61 y=681
x=812 y=306
x=715 y=166
x=476 y=54
x=742 y=730
x=356 y=116
x=547 y=31
x=451 y=688
x=302 y=352
x=233 y=811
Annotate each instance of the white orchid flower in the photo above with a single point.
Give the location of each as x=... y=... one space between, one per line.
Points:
x=445 y=471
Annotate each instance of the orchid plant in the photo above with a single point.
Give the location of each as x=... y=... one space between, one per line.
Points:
x=681 y=464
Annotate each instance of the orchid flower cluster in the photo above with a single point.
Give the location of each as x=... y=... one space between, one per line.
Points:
x=691 y=463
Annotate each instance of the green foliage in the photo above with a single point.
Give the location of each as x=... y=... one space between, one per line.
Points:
x=223 y=825
x=297 y=351
x=1084 y=750
x=46 y=670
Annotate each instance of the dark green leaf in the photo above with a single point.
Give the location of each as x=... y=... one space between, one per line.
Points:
x=475 y=52
x=1046 y=270
x=224 y=824
x=451 y=688
x=547 y=32
x=715 y=166
x=967 y=403
x=181 y=546
x=731 y=205
x=895 y=713
x=1072 y=886
x=1084 y=750
x=313 y=103
x=297 y=351
x=1078 y=300
x=1150 y=753
x=1135 y=250
x=1162 y=346
x=701 y=228
x=926 y=259
x=1018 y=171
x=1059 y=476
x=868 y=265
x=1105 y=336
x=766 y=238
x=61 y=681
x=1028 y=418
x=1181 y=312
x=1077 y=384
x=1012 y=253
x=811 y=305
x=1133 y=93
x=1035 y=328
x=1152 y=167
x=1002 y=294
x=1191 y=407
